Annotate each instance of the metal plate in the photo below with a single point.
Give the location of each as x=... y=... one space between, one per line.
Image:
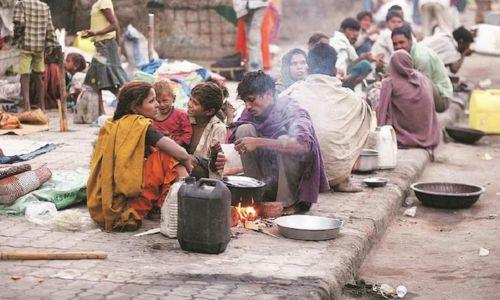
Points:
x=242 y=181
x=310 y=228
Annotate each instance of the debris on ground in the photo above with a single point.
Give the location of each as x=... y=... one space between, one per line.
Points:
x=409 y=201
x=487 y=156
x=361 y=288
x=484 y=84
x=484 y=252
x=148 y=232
x=410 y=212
x=492 y=216
x=15 y=277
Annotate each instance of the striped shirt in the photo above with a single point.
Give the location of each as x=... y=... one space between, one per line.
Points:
x=34 y=16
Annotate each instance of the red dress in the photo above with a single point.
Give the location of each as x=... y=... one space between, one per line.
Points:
x=176 y=126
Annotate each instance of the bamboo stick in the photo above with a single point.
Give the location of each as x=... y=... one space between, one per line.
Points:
x=62 y=104
x=151 y=36
x=52 y=256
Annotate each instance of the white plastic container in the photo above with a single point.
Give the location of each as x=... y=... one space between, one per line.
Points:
x=168 y=223
x=387 y=147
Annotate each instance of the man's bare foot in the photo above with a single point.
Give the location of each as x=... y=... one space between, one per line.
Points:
x=347 y=187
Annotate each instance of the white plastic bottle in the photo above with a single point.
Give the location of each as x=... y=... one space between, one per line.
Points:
x=168 y=223
x=387 y=147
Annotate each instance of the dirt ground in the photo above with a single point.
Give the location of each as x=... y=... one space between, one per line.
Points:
x=436 y=253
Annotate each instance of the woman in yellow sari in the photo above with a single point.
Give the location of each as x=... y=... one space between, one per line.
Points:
x=133 y=165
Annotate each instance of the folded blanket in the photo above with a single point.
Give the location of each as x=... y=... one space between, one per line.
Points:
x=9 y=171
x=15 y=186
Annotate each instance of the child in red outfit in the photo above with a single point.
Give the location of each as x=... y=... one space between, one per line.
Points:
x=172 y=122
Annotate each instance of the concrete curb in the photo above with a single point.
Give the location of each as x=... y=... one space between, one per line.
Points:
x=378 y=209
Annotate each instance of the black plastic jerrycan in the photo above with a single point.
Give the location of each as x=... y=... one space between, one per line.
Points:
x=204 y=216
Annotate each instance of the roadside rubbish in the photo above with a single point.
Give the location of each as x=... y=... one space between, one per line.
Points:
x=487 y=156
x=15 y=277
x=409 y=201
x=401 y=291
x=361 y=288
x=149 y=232
x=410 y=212
x=484 y=84
x=52 y=256
x=484 y=252
x=72 y=220
x=492 y=216
x=41 y=213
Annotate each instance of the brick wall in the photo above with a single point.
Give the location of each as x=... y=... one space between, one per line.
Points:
x=190 y=29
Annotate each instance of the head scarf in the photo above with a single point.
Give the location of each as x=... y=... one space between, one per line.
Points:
x=286 y=77
x=407 y=103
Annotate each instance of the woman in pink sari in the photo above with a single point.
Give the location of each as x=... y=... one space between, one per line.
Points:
x=407 y=103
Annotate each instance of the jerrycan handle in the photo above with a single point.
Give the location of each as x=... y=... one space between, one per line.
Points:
x=208 y=181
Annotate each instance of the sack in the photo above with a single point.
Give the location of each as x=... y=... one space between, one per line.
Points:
x=8 y=121
x=37 y=117
x=15 y=186
x=86 y=110
x=64 y=189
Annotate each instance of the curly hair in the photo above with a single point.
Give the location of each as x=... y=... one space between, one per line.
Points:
x=78 y=61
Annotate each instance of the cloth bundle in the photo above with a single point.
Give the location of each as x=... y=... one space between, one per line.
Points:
x=15 y=186
x=9 y=171
x=37 y=117
x=8 y=121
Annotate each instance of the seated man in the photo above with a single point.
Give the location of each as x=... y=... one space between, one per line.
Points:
x=367 y=34
x=427 y=62
x=451 y=49
x=383 y=44
x=317 y=38
x=352 y=67
x=277 y=143
x=341 y=119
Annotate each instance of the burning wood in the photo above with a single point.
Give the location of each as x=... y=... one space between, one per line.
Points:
x=247 y=213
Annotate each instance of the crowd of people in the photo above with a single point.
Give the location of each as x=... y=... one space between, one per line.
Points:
x=301 y=133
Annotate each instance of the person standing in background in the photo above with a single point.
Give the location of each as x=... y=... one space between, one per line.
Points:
x=435 y=11
x=105 y=72
x=34 y=32
x=252 y=13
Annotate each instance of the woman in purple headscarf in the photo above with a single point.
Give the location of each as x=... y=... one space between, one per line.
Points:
x=407 y=103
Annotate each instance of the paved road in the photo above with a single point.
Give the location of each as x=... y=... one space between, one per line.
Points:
x=436 y=254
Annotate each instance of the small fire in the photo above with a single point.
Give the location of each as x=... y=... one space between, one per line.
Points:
x=247 y=213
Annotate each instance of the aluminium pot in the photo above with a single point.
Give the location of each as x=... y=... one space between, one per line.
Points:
x=244 y=190
x=367 y=161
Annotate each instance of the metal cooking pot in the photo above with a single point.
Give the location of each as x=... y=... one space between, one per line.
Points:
x=309 y=228
x=367 y=161
x=244 y=189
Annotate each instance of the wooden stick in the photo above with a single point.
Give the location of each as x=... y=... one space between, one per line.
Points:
x=62 y=105
x=51 y=256
x=151 y=36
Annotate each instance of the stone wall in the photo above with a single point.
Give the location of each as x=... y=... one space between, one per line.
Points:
x=190 y=29
x=193 y=29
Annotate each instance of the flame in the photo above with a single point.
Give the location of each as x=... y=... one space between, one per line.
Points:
x=247 y=213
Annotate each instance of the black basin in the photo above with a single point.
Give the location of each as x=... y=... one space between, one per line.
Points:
x=464 y=135
x=447 y=195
